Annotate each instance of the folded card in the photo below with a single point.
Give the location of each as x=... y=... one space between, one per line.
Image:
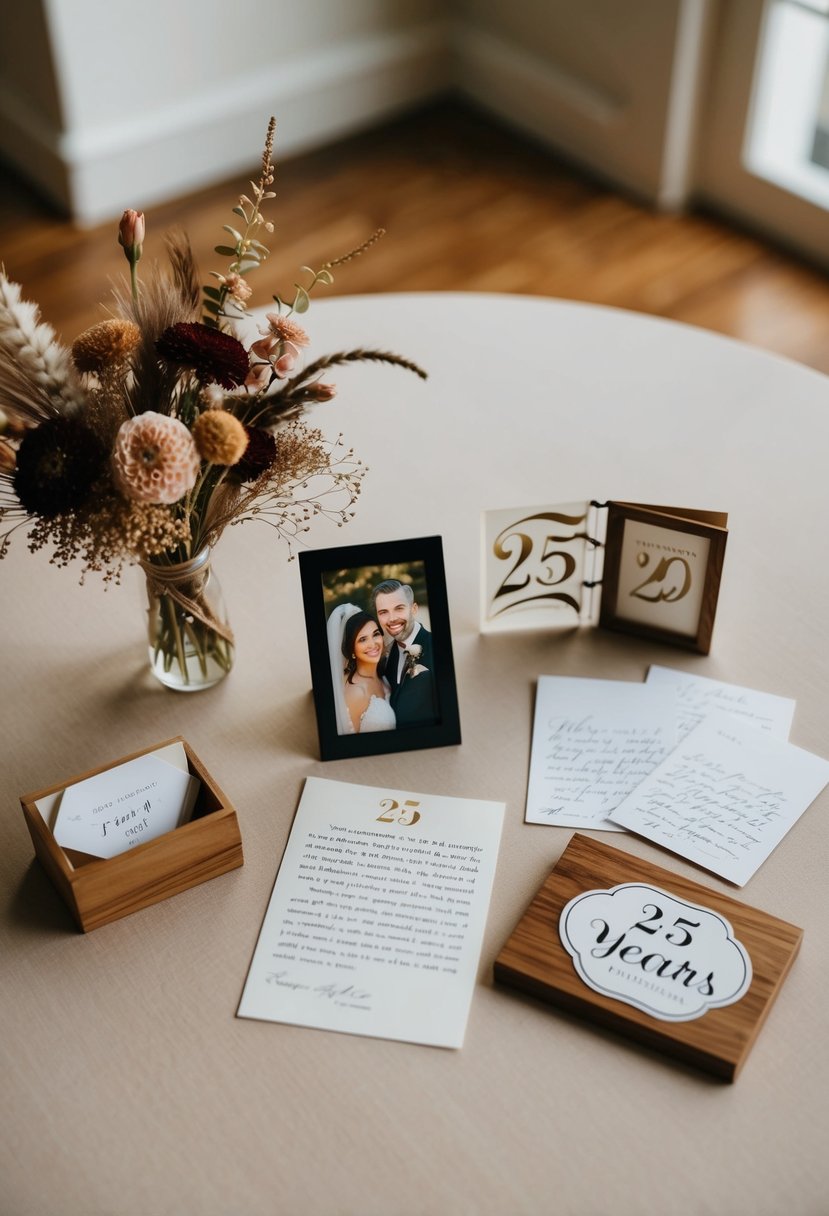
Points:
x=124 y=806
x=375 y=923
x=634 y=567
x=725 y=797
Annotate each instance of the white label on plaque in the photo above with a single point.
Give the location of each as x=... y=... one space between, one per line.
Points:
x=672 y=959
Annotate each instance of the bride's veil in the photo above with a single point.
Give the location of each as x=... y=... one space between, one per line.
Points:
x=336 y=628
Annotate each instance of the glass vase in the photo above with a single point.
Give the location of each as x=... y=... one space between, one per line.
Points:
x=190 y=640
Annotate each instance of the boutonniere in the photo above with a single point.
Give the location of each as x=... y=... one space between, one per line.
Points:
x=412 y=659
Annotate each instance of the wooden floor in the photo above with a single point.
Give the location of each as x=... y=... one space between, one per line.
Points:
x=468 y=206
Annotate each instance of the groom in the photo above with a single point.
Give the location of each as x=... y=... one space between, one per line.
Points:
x=413 y=697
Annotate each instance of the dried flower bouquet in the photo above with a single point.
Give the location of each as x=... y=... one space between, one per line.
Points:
x=159 y=427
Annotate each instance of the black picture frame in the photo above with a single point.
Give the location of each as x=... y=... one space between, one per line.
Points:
x=319 y=570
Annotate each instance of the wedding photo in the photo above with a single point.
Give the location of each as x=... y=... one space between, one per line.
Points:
x=380 y=647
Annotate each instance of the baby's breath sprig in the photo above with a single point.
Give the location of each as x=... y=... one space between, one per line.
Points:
x=248 y=252
x=312 y=478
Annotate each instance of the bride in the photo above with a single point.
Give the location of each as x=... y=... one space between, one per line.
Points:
x=361 y=694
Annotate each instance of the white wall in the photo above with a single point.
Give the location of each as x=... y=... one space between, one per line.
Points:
x=614 y=84
x=103 y=101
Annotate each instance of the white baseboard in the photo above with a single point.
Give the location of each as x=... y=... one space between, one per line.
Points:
x=609 y=134
x=533 y=94
x=321 y=96
x=202 y=139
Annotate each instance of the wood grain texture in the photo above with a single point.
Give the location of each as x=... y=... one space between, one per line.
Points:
x=718 y=1042
x=100 y=890
x=469 y=206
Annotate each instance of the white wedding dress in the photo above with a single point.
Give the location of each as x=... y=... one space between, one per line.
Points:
x=378 y=714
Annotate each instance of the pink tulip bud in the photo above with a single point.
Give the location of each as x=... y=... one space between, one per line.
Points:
x=131 y=234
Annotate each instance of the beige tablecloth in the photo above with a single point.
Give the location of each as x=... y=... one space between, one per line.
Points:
x=130 y=1087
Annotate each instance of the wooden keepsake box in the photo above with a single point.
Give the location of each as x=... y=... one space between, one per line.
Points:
x=98 y=890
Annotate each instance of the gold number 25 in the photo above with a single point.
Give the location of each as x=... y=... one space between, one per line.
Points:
x=390 y=807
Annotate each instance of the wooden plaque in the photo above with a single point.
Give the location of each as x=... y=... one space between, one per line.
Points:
x=719 y=1039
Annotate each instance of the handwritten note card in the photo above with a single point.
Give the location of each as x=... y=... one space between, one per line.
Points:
x=698 y=696
x=593 y=742
x=376 y=920
x=124 y=806
x=725 y=797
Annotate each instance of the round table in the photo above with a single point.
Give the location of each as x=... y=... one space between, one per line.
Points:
x=129 y=1084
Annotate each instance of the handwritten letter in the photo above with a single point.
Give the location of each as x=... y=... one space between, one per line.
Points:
x=698 y=696
x=593 y=742
x=376 y=920
x=725 y=797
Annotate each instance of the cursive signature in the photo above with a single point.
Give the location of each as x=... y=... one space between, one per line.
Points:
x=347 y=995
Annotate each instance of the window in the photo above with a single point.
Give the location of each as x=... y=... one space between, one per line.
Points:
x=788 y=130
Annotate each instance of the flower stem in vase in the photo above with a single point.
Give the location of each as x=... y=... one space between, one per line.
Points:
x=190 y=641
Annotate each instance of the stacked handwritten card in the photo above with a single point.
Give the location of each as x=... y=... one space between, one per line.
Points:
x=376 y=920
x=593 y=742
x=725 y=797
x=706 y=771
x=698 y=696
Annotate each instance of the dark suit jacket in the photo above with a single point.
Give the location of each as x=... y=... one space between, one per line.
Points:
x=413 y=699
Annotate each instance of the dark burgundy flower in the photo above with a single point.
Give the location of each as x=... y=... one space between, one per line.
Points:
x=212 y=354
x=57 y=462
x=258 y=456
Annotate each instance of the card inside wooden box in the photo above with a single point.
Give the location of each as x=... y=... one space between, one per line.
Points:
x=98 y=891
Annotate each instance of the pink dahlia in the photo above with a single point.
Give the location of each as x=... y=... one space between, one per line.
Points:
x=155 y=459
